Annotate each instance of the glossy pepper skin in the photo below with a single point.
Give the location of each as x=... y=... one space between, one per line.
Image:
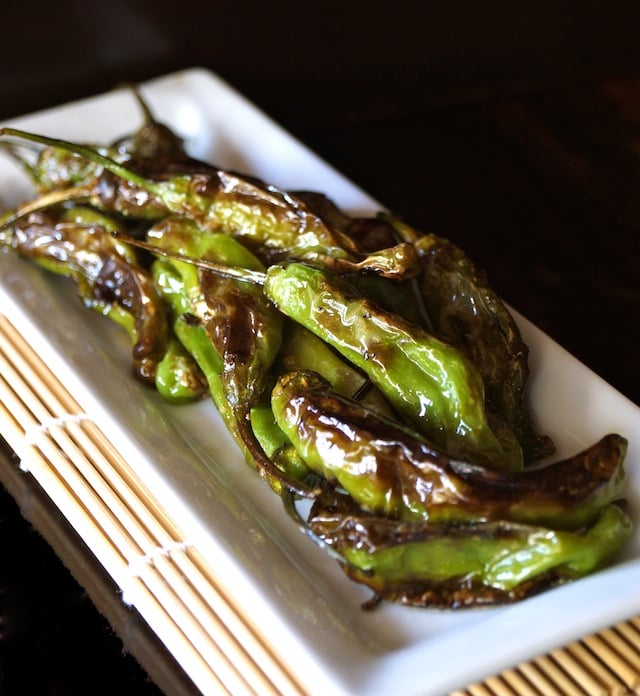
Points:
x=431 y=384
x=303 y=351
x=179 y=378
x=228 y=326
x=466 y=312
x=462 y=565
x=56 y=168
x=193 y=337
x=392 y=472
x=280 y=450
x=78 y=244
x=445 y=517
x=273 y=223
x=459 y=306
x=218 y=199
x=153 y=152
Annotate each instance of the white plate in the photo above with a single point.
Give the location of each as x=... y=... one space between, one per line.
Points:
x=297 y=596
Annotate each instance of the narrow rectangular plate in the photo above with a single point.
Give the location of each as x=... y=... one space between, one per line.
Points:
x=299 y=598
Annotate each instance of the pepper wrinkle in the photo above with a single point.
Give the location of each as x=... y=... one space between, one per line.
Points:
x=357 y=362
x=426 y=380
x=78 y=244
x=390 y=470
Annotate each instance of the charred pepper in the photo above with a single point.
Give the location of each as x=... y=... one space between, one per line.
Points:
x=56 y=167
x=389 y=470
x=228 y=326
x=462 y=565
x=465 y=311
x=78 y=243
x=430 y=383
x=272 y=222
x=303 y=351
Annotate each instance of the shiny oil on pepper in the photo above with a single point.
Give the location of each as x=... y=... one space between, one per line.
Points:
x=435 y=388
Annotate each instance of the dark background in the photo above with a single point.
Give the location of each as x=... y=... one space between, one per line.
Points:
x=513 y=128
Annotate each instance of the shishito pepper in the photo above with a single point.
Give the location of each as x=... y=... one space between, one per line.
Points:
x=179 y=378
x=465 y=311
x=279 y=448
x=390 y=471
x=303 y=351
x=228 y=326
x=491 y=534
x=262 y=212
x=78 y=244
x=454 y=300
x=462 y=565
x=433 y=386
x=275 y=224
x=63 y=176
x=56 y=167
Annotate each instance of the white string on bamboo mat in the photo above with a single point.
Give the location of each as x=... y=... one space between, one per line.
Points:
x=34 y=433
x=137 y=565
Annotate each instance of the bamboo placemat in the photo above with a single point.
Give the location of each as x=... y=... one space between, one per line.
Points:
x=164 y=577
x=137 y=638
x=171 y=584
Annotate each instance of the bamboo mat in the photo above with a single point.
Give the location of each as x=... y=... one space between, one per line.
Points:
x=178 y=593
x=136 y=637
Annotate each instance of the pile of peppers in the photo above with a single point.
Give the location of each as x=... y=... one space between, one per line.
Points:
x=360 y=364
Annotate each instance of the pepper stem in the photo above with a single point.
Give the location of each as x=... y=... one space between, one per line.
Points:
x=90 y=154
x=234 y=272
x=46 y=200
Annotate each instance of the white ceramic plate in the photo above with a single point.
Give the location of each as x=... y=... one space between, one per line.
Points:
x=297 y=596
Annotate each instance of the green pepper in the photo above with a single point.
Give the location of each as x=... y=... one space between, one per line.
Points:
x=462 y=565
x=218 y=200
x=278 y=447
x=273 y=223
x=465 y=311
x=193 y=336
x=178 y=377
x=56 y=168
x=369 y=234
x=430 y=383
x=229 y=327
x=78 y=244
x=389 y=470
x=463 y=524
x=152 y=141
x=303 y=351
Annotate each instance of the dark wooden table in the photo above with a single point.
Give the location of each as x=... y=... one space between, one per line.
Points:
x=513 y=129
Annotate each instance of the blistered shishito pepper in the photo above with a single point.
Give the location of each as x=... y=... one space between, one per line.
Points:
x=272 y=222
x=461 y=308
x=303 y=351
x=229 y=327
x=435 y=388
x=465 y=311
x=279 y=448
x=179 y=378
x=442 y=518
x=193 y=336
x=390 y=471
x=78 y=244
x=429 y=382
x=57 y=168
x=462 y=565
x=153 y=140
